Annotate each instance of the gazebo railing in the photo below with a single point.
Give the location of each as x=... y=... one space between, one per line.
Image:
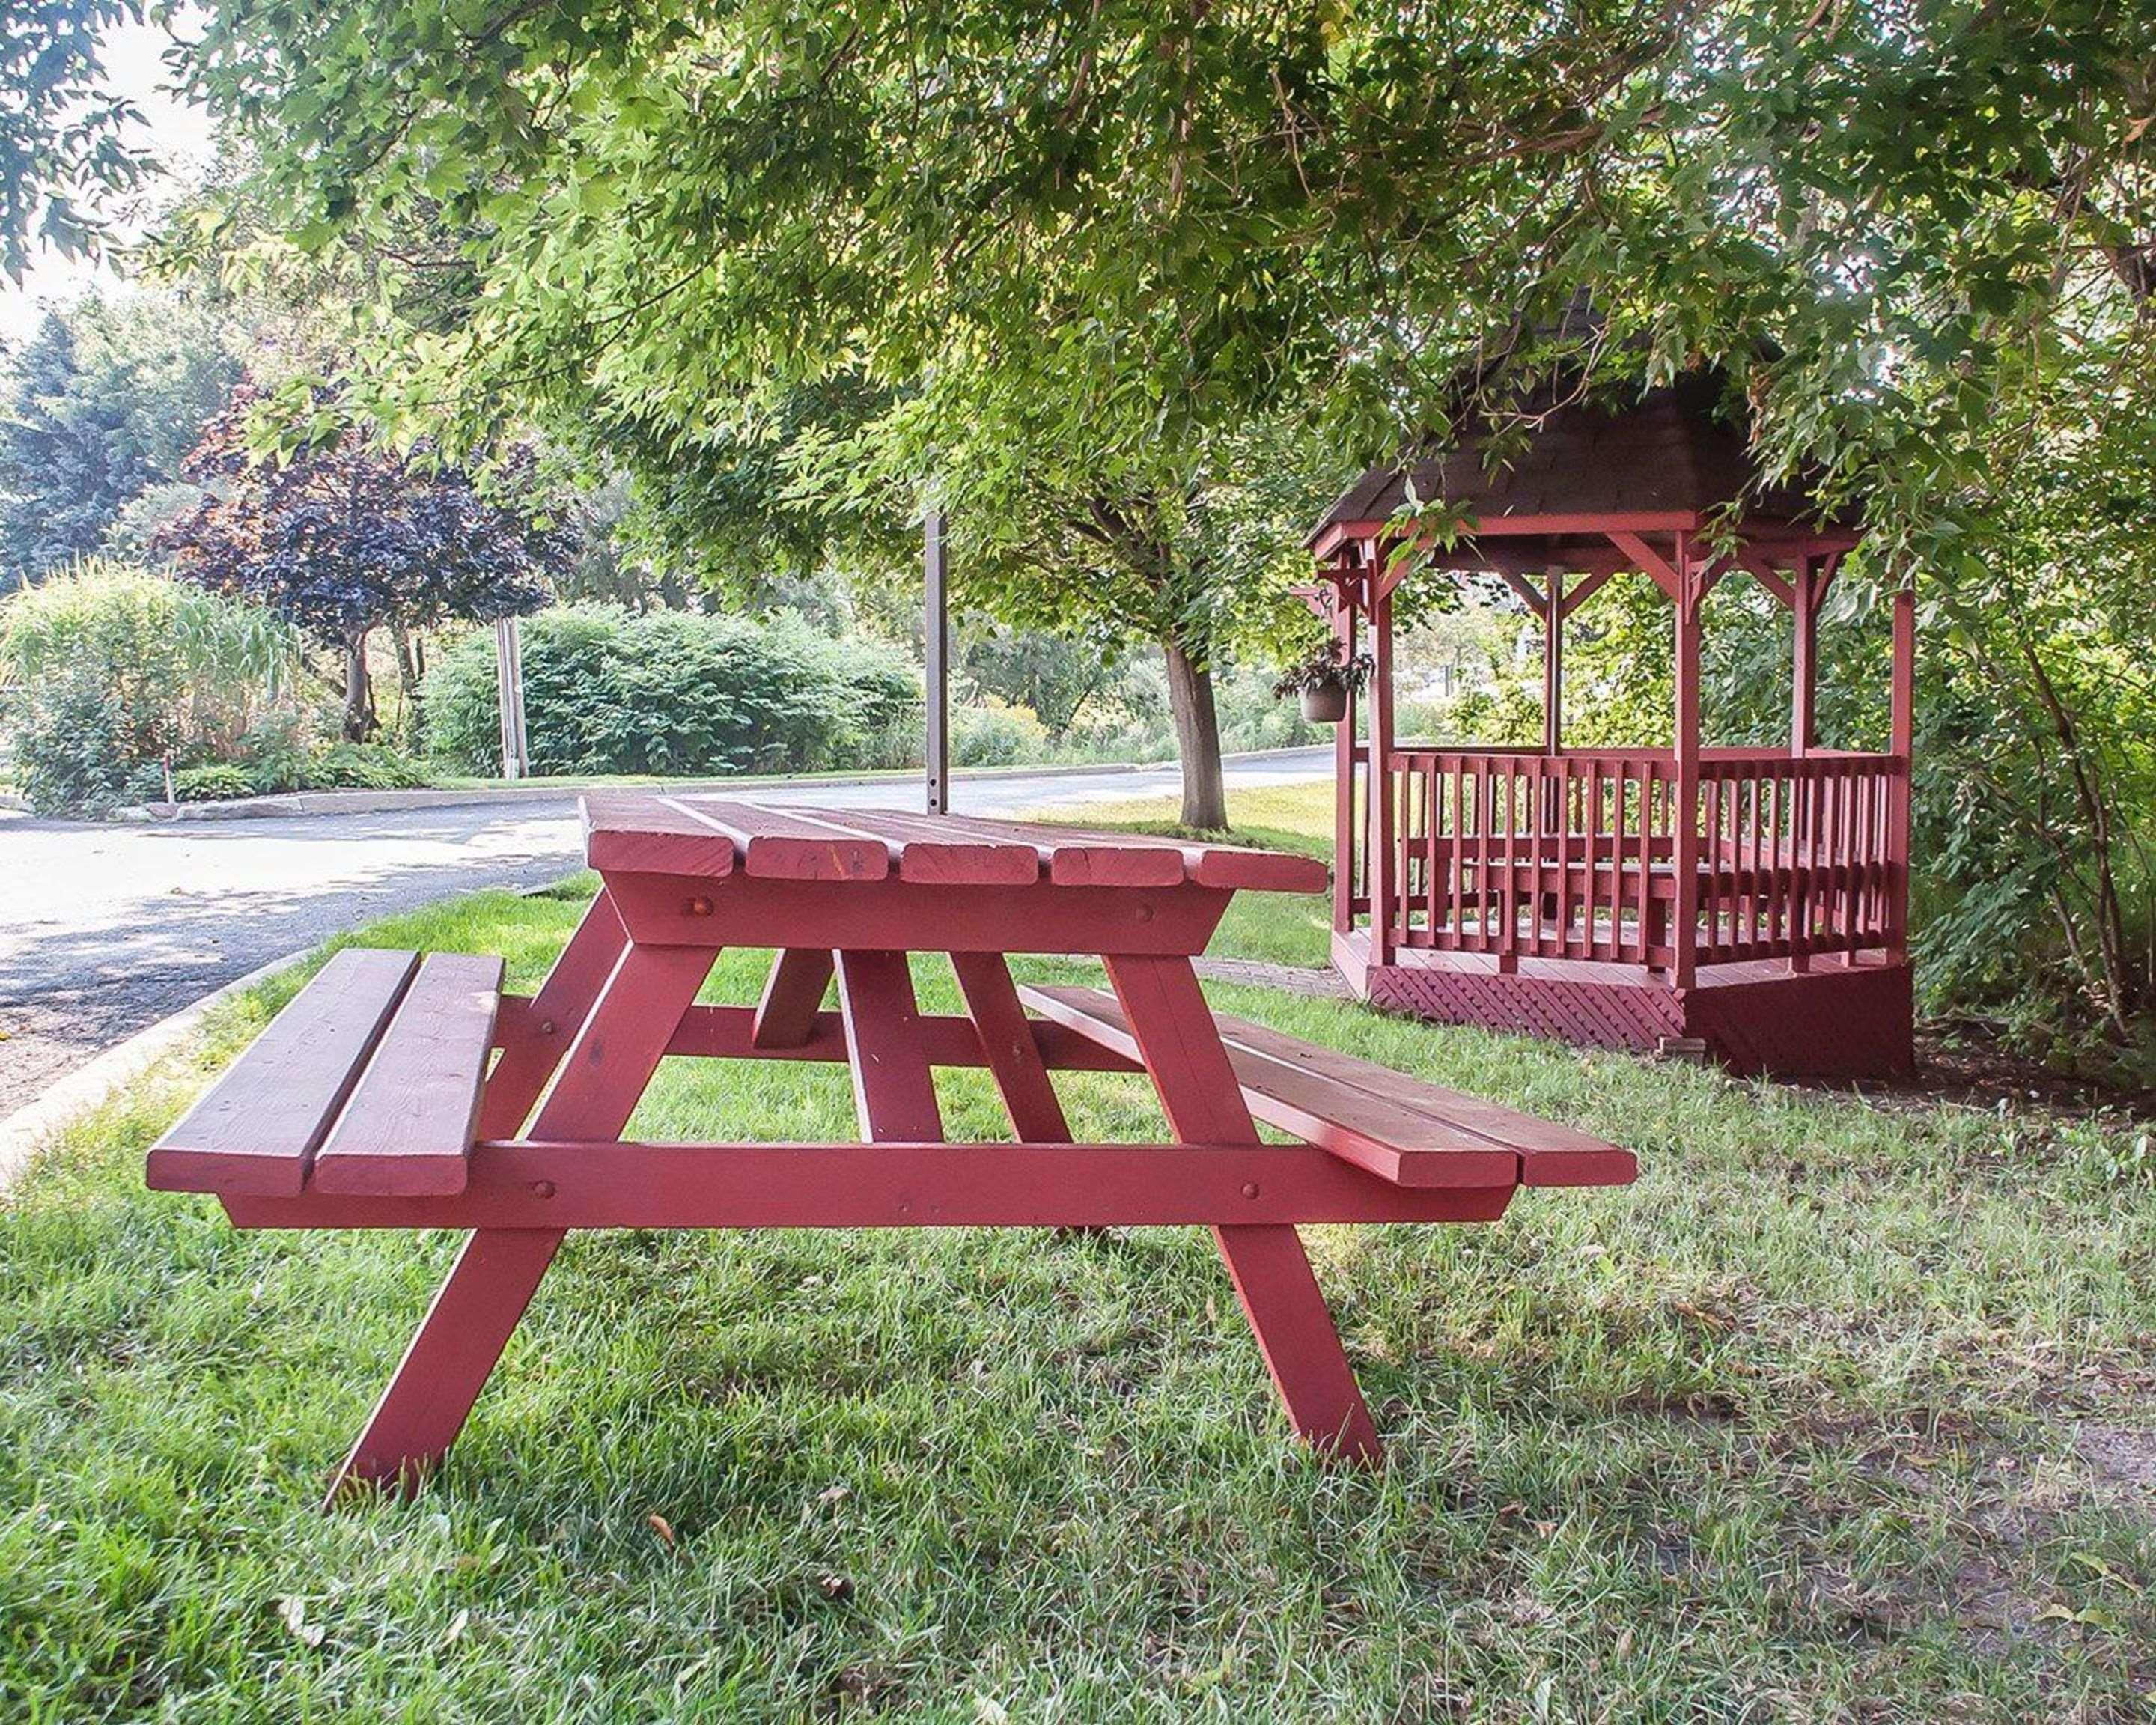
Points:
x=1522 y=854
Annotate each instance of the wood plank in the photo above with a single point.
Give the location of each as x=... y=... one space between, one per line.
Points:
x=1381 y=1138
x=935 y=851
x=790 y=843
x=1246 y=870
x=894 y=1090
x=1007 y=1044
x=1070 y=856
x=673 y=910
x=723 y=1033
x=539 y=1188
x=1407 y=1130
x=1075 y=857
x=1551 y=1154
x=947 y=851
x=792 y=994
x=641 y=834
x=408 y=1128
x=257 y=1128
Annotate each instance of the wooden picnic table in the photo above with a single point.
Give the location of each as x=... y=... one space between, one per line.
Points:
x=371 y=1103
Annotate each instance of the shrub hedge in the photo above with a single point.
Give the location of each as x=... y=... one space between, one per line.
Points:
x=671 y=692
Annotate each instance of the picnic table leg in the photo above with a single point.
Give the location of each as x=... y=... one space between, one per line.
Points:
x=894 y=1090
x=1007 y=1044
x=610 y=1063
x=787 y=1012
x=563 y=1002
x=1183 y=1053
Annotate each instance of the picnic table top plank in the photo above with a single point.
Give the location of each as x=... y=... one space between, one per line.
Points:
x=928 y=849
x=256 y=1129
x=647 y=834
x=408 y=1129
x=712 y=836
x=790 y=843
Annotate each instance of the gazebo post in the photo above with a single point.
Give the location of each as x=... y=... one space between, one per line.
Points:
x=1378 y=864
x=1554 y=663
x=1903 y=747
x=1684 y=822
x=1343 y=765
x=1803 y=674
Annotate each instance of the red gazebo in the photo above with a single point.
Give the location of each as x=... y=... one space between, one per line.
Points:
x=1747 y=904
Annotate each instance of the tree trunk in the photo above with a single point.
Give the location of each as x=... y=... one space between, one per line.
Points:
x=1197 y=741
x=409 y=718
x=358 y=692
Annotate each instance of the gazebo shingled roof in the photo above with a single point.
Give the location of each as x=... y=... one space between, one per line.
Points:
x=1674 y=450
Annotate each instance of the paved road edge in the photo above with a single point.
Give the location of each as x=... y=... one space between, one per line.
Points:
x=287 y=805
x=25 y=1132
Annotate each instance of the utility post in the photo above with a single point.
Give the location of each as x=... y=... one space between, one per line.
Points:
x=936 y=571
x=509 y=678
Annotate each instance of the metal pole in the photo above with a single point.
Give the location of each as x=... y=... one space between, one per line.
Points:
x=509 y=676
x=936 y=570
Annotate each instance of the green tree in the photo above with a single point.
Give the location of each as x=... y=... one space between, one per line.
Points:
x=102 y=402
x=1082 y=248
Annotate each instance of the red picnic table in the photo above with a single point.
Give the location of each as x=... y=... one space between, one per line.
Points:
x=370 y=1101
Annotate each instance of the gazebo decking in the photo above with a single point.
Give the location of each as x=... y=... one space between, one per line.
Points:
x=1747 y=904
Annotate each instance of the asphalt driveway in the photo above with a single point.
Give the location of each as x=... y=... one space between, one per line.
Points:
x=105 y=929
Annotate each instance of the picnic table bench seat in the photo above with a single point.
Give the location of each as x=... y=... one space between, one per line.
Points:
x=1385 y=1122
x=368 y=1083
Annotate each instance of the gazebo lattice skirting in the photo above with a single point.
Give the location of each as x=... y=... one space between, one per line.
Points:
x=1750 y=905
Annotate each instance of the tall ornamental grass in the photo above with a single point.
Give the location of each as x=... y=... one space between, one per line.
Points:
x=107 y=671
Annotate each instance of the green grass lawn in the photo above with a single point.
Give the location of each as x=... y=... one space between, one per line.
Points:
x=1838 y=1413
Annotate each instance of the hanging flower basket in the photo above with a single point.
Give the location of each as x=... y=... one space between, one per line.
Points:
x=1324 y=681
x=1325 y=703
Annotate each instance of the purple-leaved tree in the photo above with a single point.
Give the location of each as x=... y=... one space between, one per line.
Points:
x=347 y=537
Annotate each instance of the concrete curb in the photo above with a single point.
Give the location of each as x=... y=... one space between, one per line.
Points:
x=24 y=1133
x=295 y=804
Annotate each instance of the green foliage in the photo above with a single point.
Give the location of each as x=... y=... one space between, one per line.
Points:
x=996 y=736
x=106 y=670
x=357 y=767
x=66 y=144
x=99 y=405
x=673 y=693
x=216 y=781
x=74 y=749
x=266 y=771
x=1080 y=251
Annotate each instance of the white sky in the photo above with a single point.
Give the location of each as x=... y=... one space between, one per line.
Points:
x=179 y=135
